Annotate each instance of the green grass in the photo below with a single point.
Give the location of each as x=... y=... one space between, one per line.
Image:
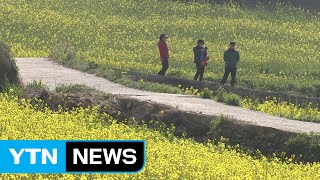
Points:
x=278 y=48
x=36 y=85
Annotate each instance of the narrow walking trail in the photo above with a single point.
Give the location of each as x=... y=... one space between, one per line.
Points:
x=54 y=74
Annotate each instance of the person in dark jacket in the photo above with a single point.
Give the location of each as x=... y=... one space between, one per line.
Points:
x=164 y=54
x=231 y=58
x=200 y=58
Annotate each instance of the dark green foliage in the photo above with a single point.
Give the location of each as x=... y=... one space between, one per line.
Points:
x=207 y=93
x=8 y=69
x=220 y=95
x=232 y=99
x=216 y=123
x=228 y=98
x=67 y=88
x=36 y=85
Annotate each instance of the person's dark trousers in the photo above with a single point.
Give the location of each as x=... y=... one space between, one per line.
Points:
x=200 y=71
x=165 y=66
x=227 y=71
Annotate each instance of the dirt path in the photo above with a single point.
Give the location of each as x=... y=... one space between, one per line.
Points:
x=53 y=74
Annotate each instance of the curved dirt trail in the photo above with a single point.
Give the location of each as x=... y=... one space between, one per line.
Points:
x=53 y=74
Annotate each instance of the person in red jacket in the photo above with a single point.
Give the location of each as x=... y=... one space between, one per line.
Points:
x=164 y=54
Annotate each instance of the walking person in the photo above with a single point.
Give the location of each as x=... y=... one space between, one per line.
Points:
x=200 y=58
x=231 y=58
x=164 y=54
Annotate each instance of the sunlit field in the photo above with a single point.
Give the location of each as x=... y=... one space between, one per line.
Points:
x=167 y=156
x=279 y=49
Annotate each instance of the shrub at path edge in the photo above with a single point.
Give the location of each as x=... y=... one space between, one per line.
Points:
x=8 y=69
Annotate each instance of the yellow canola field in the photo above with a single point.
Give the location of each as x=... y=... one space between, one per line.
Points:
x=167 y=156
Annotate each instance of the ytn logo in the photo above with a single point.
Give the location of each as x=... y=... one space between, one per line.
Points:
x=32 y=152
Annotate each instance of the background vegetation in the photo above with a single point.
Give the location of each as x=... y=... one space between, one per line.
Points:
x=279 y=48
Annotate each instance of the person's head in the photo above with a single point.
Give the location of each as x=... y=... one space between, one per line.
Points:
x=232 y=45
x=200 y=42
x=163 y=37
